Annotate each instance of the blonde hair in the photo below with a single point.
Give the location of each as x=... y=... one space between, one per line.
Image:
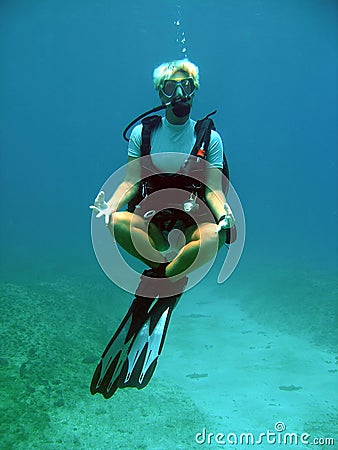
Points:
x=166 y=70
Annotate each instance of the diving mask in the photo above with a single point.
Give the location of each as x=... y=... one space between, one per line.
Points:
x=187 y=85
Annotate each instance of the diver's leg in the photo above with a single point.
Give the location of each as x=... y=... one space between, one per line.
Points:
x=132 y=233
x=202 y=245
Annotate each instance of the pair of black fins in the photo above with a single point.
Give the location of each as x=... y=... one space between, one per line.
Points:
x=131 y=355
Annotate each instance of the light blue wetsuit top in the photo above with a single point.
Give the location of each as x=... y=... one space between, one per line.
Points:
x=169 y=138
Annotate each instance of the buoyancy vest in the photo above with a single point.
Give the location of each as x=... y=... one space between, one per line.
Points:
x=152 y=180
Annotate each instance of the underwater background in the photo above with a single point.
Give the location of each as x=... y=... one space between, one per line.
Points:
x=241 y=356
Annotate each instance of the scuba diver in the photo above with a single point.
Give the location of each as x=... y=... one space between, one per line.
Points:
x=177 y=218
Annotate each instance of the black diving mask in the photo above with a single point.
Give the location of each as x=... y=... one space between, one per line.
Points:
x=187 y=85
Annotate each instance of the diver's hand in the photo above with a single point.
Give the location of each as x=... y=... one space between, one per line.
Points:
x=102 y=208
x=225 y=222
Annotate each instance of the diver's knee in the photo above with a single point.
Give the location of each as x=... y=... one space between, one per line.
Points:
x=119 y=220
x=204 y=233
x=121 y=217
x=124 y=220
x=208 y=232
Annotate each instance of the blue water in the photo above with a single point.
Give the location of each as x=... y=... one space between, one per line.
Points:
x=74 y=73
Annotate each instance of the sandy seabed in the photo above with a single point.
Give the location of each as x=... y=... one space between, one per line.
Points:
x=245 y=357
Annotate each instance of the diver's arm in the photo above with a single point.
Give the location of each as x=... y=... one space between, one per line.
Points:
x=215 y=197
x=129 y=186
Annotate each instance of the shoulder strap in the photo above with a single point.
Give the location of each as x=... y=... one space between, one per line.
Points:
x=148 y=125
x=203 y=129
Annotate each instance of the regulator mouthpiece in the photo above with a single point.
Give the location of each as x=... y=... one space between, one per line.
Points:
x=180 y=107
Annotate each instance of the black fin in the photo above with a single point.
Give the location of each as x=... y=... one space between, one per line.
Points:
x=130 y=357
